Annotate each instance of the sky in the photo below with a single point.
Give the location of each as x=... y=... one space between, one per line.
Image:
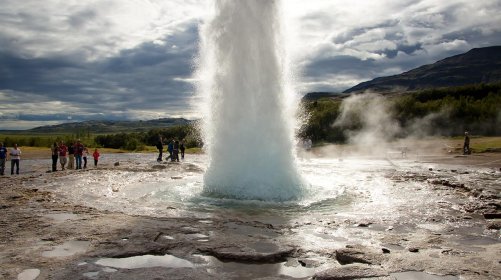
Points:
x=72 y=60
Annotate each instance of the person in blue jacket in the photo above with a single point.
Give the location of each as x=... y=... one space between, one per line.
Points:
x=170 y=148
x=3 y=158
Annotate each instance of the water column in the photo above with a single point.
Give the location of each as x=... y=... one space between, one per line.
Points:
x=248 y=121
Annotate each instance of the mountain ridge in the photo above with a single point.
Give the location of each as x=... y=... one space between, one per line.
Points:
x=109 y=126
x=478 y=65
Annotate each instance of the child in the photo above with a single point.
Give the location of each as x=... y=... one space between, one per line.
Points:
x=95 y=155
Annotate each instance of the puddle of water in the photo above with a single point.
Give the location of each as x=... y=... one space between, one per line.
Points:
x=417 y=275
x=167 y=237
x=197 y=236
x=144 y=262
x=69 y=248
x=476 y=240
x=253 y=271
x=29 y=274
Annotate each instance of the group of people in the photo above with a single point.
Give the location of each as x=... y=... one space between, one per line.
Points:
x=60 y=152
x=173 y=147
x=76 y=154
x=15 y=157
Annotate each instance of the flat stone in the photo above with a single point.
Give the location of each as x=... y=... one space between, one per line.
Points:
x=358 y=255
x=348 y=272
x=246 y=254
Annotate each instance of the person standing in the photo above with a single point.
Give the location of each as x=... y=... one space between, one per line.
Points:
x=95 y=155
x=71 y=155
x=55 y=154
x=182 y=148
x=170 y=147
x=63 y=150
x=175 y=151
x=84 y=157
x=15 y=157
x=160 y=147
x=3 y=158
x=79 y=148
x=466 y=145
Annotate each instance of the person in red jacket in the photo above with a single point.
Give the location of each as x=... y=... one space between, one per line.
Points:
x=95 y=155
x=79 y=148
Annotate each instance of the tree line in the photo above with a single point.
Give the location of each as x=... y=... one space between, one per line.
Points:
x=133 y=141
x=448 y=112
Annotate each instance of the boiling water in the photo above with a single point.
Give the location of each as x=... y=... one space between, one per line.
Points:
x=248 y=122
x=139 y=187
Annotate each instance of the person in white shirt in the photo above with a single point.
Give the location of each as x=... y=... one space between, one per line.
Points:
x=15 y=157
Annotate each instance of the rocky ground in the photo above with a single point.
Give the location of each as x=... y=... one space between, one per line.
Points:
x=44 y=236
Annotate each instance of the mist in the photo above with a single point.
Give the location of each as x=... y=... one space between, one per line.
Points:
x=371 y=126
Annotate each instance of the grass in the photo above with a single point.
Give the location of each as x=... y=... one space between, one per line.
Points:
x=478 y=144
x=485 y=144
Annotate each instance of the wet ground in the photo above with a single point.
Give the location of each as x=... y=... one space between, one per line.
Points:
x=365 y=217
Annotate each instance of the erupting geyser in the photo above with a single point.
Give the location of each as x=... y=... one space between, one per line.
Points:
x=248 y=122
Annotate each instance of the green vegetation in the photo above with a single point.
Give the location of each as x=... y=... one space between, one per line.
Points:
x=135 y=141
x=42 y=140
x=449 y=112
x=476 y=108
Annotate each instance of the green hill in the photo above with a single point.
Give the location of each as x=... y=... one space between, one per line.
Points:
x=100 y=127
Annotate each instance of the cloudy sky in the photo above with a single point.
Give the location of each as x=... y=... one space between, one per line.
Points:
x=74 y=60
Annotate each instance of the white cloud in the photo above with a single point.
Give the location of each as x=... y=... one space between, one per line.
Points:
x=92 y=29
x=334 y=43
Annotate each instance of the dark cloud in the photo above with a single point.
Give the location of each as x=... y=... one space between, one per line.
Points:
x=354 y=32
x=340 y=65
x=147 y=77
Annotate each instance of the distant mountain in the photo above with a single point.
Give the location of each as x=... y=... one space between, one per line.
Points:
x=317 y=95
x=109 y=126
x=481 y=65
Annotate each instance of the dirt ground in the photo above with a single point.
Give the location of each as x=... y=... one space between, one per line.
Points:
x=26 y=233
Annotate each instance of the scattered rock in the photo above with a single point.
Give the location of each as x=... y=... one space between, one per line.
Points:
x=413 y=250
x=490 y=216
x=364 y=224
x=358 y=255
x=494 y=225
x=117 y=163
x=350 y=272
x=386 y=251
x=158 y=166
